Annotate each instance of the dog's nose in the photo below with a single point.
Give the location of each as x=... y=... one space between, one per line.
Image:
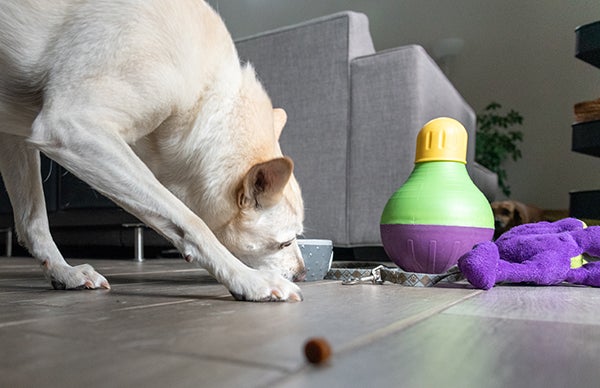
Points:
x=299 y=277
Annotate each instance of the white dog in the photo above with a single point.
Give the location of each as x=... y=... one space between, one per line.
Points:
x=146 y=101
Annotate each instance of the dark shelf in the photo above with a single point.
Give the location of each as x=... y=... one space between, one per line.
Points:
x=587 y=43
x=49 y=171
x=586 y=138
x=585 y=204
x=75 y=194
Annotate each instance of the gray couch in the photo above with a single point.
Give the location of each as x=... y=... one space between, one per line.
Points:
x=353 y=117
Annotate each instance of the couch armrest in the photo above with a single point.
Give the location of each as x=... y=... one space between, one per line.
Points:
x=485 y=180
x=394 y=93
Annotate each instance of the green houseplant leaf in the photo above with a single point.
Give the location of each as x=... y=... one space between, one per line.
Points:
x=496 y=141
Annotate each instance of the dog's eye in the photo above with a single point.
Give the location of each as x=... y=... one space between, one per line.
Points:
x=285 y=244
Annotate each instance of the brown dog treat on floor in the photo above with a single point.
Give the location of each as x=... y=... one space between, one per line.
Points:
x=317 y=350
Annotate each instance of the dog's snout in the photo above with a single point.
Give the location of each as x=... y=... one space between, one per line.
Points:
x=300 y=276
x=300 y=270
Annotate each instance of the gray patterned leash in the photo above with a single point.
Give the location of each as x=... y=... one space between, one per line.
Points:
x=382 y=274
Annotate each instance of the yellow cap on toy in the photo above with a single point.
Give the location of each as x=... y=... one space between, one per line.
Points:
x=442 y=139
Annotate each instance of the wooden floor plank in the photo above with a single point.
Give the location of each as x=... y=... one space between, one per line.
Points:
x=569 y=304
x=39 y=360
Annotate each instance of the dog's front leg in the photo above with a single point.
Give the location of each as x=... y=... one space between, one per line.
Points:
x=20 y=167
x=98 y=155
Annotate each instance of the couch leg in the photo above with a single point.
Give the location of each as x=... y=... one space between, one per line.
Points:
x=9 y=238
x=138 y=241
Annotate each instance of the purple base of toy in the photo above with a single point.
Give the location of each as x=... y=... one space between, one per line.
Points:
x=430 y=248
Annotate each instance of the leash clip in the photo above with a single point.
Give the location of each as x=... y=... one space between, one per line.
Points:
x=374 y=278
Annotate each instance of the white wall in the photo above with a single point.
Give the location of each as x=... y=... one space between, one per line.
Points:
x=517 y=52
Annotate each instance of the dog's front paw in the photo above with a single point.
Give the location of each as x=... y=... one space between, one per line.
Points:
x=265 y=286
x=65 y=277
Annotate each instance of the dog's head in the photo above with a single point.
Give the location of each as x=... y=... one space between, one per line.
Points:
x=506 y=215
x=270 y=215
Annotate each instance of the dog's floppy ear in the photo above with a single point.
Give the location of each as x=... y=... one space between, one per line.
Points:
x=279 y=120
x=263 y=185
x=520 y=214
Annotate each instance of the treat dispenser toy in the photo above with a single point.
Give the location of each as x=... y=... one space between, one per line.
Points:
x=438 y=214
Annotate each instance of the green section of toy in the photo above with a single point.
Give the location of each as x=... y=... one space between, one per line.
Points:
x=439 y=193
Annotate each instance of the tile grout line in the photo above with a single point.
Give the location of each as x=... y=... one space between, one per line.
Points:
x=401 y=325
x=21 y=322
x=140 y=307
x=201 y=270
x=228 y=360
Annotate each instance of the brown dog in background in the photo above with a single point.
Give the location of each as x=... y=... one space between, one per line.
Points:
x=512 y=213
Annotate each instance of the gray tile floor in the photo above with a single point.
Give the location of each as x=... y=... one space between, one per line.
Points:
x=166 y=323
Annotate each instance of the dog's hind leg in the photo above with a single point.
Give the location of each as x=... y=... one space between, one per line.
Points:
x=20 y=168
